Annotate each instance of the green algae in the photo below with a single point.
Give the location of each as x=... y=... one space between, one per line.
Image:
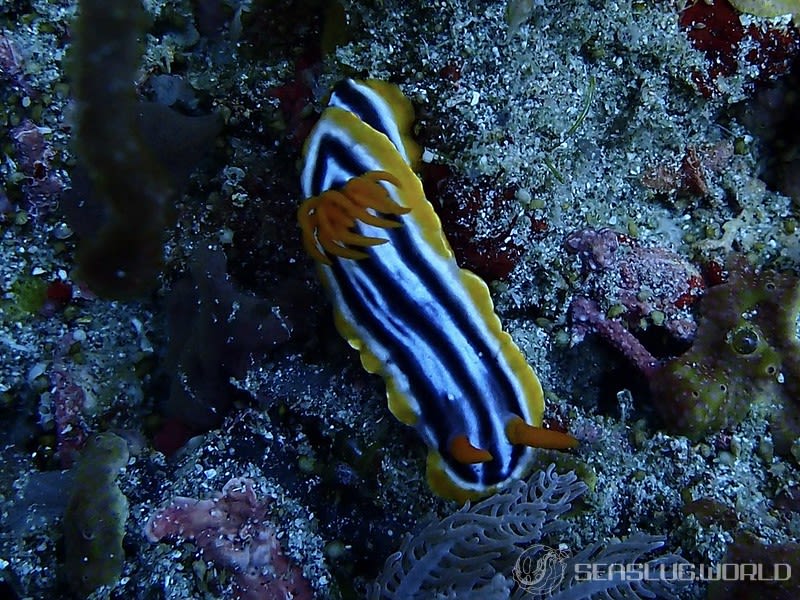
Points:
x=745 y=353
x=27 y=297
x=94 y=521
x=767 y=8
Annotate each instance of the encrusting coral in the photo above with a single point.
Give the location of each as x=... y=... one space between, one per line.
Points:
x=233 y=531
x=641 y=285
x=745 y=352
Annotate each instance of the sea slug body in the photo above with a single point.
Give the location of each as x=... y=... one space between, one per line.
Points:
x=425 y=325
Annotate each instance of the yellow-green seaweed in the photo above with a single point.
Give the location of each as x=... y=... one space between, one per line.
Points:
x=27 y=297
x=94 y=521
x=767 y=8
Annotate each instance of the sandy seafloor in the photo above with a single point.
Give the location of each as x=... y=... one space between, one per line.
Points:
x=499 y=105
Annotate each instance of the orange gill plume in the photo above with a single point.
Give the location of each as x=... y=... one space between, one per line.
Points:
x=328 y=220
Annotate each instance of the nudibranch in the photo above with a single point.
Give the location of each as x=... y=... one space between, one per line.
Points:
x=425 y=325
